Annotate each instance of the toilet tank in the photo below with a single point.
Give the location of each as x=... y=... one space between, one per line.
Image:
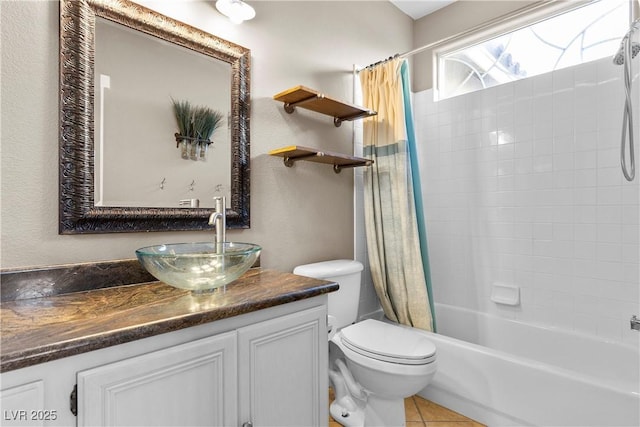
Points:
x=343 y=303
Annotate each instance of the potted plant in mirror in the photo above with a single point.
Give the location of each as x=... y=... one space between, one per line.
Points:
x=196 y=125
x=182 y=112
x=205 y=122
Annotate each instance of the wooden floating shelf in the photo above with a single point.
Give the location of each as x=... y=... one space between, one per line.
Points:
x=313 y=100
x=293 y=153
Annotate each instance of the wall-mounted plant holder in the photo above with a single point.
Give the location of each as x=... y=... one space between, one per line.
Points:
x=195 y=126
x=192 y=148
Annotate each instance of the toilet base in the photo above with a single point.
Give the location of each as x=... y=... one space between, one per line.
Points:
x=376 y=413
x=347 y=413
x=381 y=412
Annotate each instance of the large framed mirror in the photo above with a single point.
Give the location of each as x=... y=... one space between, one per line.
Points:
x=123 y=69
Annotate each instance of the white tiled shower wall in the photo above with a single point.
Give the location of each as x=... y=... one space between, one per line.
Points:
x=522 y=186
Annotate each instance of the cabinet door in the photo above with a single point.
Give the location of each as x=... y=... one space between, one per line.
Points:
x=283 y=370
x=24 y=405
x=190 y=384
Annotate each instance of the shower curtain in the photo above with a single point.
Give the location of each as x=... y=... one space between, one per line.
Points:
x=398 y=261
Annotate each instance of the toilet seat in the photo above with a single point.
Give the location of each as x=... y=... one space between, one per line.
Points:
x=388 y=343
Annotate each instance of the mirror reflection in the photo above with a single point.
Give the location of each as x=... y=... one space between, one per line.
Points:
x=138 y=159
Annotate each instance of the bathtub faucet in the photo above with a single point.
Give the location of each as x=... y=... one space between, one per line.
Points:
x=635 y=323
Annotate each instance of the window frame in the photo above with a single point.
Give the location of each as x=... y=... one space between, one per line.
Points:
x=502 y=25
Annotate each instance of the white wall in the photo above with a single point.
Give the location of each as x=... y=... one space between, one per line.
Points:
x=299 y=215
x=522 y=186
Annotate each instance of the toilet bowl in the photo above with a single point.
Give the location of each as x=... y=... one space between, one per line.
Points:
x=390 y=363
x=373 y=365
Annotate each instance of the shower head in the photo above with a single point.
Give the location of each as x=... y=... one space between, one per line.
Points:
x=619 y=58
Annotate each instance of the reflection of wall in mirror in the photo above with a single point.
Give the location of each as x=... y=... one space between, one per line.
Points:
x=137 y=76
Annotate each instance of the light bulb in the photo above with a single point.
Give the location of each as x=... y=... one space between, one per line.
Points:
x=236 y=10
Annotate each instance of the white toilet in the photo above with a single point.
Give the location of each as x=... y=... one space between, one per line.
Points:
x=385 y=362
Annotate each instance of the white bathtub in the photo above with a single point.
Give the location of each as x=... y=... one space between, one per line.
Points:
x=503 y=372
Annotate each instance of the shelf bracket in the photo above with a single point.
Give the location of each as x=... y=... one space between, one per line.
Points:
x=337 y=121
x=290 y=161
x=338 y=168
x=290 y=107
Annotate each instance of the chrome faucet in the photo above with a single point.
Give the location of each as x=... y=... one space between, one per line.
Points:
x=219 y=220
x=635 y=323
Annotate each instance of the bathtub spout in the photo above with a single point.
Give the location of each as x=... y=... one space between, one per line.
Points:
x=635 y=323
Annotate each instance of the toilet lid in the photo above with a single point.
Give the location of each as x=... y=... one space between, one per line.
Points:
x=390 y=343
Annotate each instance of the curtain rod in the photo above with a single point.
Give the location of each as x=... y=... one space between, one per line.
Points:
x=559 y=6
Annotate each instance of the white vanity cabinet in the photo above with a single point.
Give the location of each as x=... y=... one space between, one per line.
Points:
x=192 y=384
x=265 y=368
x=23 y=404
x=283 y=371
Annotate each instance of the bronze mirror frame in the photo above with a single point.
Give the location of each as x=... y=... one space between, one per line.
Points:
x=77 y=212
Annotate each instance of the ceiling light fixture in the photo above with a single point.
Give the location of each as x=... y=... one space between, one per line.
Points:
x=236 y=10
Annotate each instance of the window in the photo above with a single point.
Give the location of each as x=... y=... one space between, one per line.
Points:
x=579 y=35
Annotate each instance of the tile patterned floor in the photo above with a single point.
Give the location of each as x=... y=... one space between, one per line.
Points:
x=424 y=413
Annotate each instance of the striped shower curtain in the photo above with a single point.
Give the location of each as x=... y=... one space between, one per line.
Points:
x=398 y=261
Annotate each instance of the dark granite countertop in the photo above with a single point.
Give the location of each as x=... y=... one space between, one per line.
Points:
x=38 y=330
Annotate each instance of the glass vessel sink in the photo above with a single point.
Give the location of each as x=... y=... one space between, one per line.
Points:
x=198 y=266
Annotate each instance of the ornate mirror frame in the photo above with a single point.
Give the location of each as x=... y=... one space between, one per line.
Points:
x=78 y=213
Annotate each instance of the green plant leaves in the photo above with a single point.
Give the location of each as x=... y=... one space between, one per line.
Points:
x=198 y=123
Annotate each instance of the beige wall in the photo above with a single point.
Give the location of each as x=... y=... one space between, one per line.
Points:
x=448 y=21
x=299 y=215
